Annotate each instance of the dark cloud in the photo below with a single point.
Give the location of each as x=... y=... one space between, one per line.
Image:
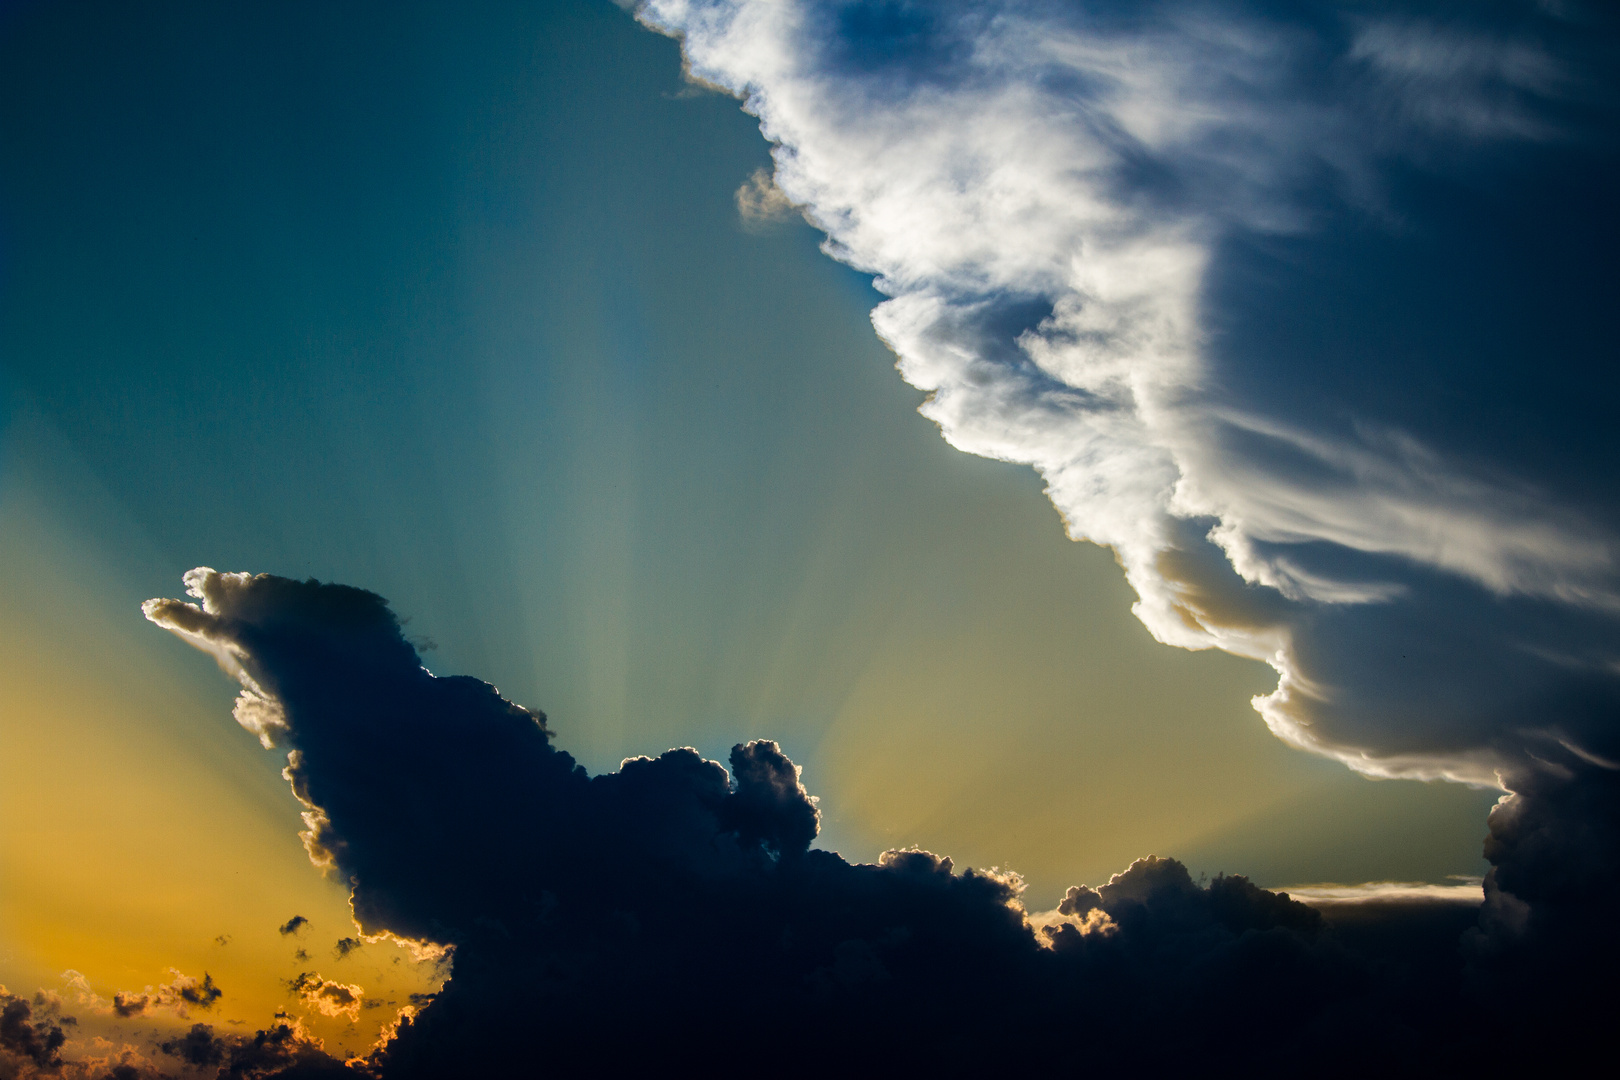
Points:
x=284 y=1050
x=1549 y=918
x=1327 y=361
x=127 y=1004
x=345 y=946
x=202 y=994
x=674 y=913
x=198 y=1046
x=29 y=1040
x=293 y=926
x=181 y=992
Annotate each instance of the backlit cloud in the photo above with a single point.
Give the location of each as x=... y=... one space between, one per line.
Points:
x=327 y=996
x=179 y=994
x=1302 y=311
x=685 y=901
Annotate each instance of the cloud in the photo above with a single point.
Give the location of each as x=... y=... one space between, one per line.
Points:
x=675 y=909
x=326 y=996
x=284 y=1049
x=177 y=994
x=127 y=1004
x=1100 y=228
x=1302 y=311
x=27 y=1040
x=1469 y=892
x=38 y=1041
x=293 y=926
x=760 y=203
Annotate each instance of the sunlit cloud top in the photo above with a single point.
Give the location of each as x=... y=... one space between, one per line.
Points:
x=1095 y=228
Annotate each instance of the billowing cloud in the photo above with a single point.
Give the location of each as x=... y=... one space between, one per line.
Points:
x=1086 y=216
x=37 y=1040
x=1301 y=310
x=284 y=1049
x=327 y=996
x=676 y=909
x=29 y=1042
x=179 y=993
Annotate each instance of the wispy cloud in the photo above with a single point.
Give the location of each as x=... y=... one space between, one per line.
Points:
x=1470 y=891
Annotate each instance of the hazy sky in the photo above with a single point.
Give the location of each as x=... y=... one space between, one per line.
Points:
x=458 y=306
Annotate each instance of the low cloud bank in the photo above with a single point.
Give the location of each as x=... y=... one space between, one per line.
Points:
x=675 y=912
x=284 y=1050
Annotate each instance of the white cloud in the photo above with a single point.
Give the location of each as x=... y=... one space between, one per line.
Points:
x=1466 y=891
x=1042 y=192
x=256 y=710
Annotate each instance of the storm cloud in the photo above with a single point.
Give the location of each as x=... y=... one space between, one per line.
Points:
x=1297 y=309
x=676 y=911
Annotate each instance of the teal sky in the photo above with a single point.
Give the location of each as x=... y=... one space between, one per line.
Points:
x=456 y=306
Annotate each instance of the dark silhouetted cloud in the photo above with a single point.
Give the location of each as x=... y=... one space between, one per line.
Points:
x=674 y=910
x=284 y=1050
x=1300 y=308
x=293 y=926
x=28 y=1040
x=177 y=994
x=127 y=1004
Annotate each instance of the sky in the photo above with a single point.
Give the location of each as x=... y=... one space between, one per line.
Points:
x=615 y=350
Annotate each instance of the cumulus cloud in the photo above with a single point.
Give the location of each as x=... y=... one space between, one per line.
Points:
x=1301 y=310
x=29 y=1040
x=1099 y=227
x=38 y=1041
x=677 y=909
x=284 y=1049
x=327 y=996
x=179 y=993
